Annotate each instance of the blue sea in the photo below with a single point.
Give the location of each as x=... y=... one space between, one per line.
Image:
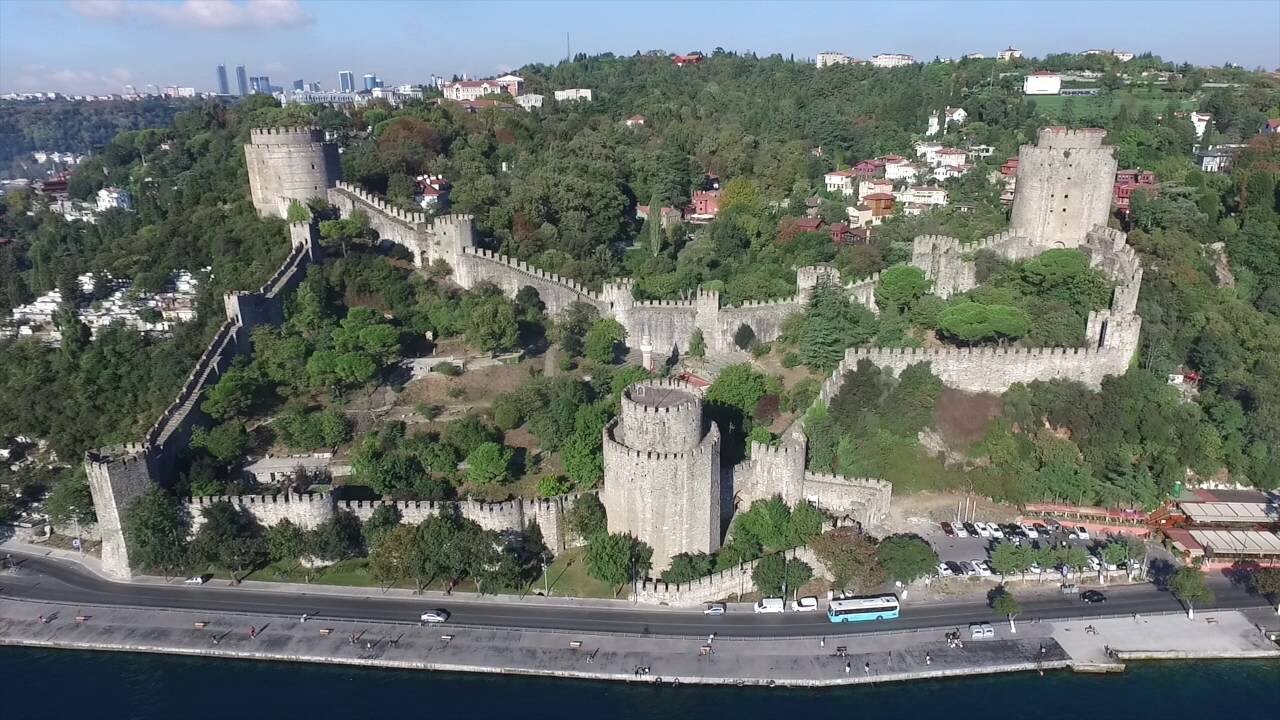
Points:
x=64 y=684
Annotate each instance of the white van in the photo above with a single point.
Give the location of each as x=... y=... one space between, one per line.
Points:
x=770 y=605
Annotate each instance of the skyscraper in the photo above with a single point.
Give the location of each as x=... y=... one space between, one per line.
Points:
x=346 y=81
x=260 y=84
x=370 y=81
x=223 y=87
x=242 y=82
x=299 y=85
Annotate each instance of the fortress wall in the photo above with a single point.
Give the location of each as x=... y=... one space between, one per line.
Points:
x=477 y=265
x=306 y=510
x=865 y=500
x=765 y=318
x=717 y=586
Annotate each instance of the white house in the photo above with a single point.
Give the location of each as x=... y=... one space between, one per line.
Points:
x=471 y=89
x=110 y=198
x=530 y=101
x=1201 y=122
x=871 y=187
x=635 y=121
x=573 y=94
x=840 y=181
x=931 y=196
x=831 y=57
x=950 y=156
x=1042 y=82
x=899 y=169
x=946 y=172
x=925 y=150
x=981 y=151
x=1009 y=53
x=891 y=60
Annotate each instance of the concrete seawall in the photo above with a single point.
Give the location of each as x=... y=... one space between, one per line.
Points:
x=784 y=662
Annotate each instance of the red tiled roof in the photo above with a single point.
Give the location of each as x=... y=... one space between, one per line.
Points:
x=809 y=223
x=878 y=196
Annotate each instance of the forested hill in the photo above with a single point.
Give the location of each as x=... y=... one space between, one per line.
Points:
x=79 y=127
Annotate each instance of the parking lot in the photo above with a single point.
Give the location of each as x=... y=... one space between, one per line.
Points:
x=952 y=548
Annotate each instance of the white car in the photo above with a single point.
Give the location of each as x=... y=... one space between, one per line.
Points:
x=1094 y=563
x=983 y=530
x=1035 y=569
x=1029 y=531
x=944 y=571
x=715 y=609
x=804 y=604
x=981 y=566
x=995 y=531
x=770 y=606
x=435 y=616
x=1081 y=532
x=194 y=580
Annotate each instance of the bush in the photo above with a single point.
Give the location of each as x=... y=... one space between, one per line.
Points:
x=507 y=412
x=773 y=576
x=791 y=359
x=761 y=349
x=554 y=485
x=447 y=369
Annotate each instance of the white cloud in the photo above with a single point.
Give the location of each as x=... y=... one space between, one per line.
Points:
x=205 y=14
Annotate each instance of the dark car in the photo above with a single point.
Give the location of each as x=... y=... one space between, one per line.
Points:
x=950 y=531
x=1093 y=597
x=973 y=529
x=955 y=568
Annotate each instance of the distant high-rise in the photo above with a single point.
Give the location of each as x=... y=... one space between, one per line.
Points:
x=223 y=87
x=346 y=81
x=260 y=84
x=313 y=86
x=242 y=81
x=299 y=85
x=370 y=81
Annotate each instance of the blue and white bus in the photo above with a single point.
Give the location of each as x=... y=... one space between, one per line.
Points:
x=874 y=607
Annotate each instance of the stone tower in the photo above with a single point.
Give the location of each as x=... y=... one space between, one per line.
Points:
x=1064 y=186
x=289 y=163
x=117 y=476
x=662 y=471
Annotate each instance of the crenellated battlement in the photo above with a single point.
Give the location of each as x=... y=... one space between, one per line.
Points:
x=286 y=135
x=530 y=271
x=309 y=498
x=651 y=397
x=1058 y=138
x=876 y=484
x=380 y=205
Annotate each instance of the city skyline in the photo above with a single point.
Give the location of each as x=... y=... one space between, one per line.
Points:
x=106 y=44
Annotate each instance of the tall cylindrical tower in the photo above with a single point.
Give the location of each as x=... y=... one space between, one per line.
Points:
x=287 y=164
x=1064 y=187
x=662 y=471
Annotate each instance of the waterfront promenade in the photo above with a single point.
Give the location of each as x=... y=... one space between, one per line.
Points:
x=1088 y=644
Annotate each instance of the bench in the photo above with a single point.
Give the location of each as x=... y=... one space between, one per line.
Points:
x=201 y=624
x=326 y=631
x=446 y=638
x=575 y=644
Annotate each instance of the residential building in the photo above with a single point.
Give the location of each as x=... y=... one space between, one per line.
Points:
x=260 y=85
x=242 y=81
x=690 y=59
x=512 y=85
x=110 y=198
x=432 y=192
x=1219 y=158
x=840 y=181
x=1122 y=56
x=830 y=57
x=981 y=151
x=314 y=97
x=899 y=168
x=928 y=196
x=573 y=94
x=398 y=95
x=635 y=121
x=846 y=234
x=946 y=172
x=871 y=187
x=974 y=56
x=869 y=168
x=926 y=150
x=891 y=60
x=224 y=88
x=1009 y=53
x=881 y=204
x=950 y=156
x=669 y=215
x=471 y=89
x=1042 y=82
x=705 y=206
x=1126 y=183
x=809 y=224
x=530 y=101
x=346 y=81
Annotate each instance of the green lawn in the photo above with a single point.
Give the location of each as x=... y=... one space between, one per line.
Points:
x=568 y=577
x=1105 y=105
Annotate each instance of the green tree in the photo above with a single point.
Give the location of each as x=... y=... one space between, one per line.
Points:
x=229 y=538
x=1267 y=582
x=900 y=286
x=396 y=558
x=338 y=538
x=775 y=576
x=1004 y=603
x=286 y=542
x=850 y=558
x=586 y=517
x=70 y=500
x=688 y=566
x=605 y=341
x=617 y=559
x=489 y=464
x=155 y=528
x=232 y=395
x=739 y=386
x=1075 y=559
x=906 y=558
x=383 y=519
x=1189 y=586
x=226 y=442
x=970 y=322
x=554 y=486
x=491 y=326
x=697 y=345
x=1008 y=559
x=583 y=459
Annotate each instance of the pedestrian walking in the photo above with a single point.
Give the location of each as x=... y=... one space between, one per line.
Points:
x=846 y=668
x=928 y=659
x=253 y=631
x=304 y=617
x=822 y=642
x=866 y=668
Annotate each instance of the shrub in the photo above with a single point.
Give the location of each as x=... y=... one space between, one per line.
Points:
x=447 y=369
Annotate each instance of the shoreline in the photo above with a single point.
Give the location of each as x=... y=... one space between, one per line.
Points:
x=870 y=658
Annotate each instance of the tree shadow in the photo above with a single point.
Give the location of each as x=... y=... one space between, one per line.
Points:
x=1161 y=572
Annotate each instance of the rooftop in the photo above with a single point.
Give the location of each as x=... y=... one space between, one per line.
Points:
x=659 y=397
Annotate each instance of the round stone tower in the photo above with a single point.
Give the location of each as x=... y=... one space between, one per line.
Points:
x=287 y=164
x=662 y=471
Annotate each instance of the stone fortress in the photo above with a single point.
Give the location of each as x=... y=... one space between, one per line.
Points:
x=663 y=480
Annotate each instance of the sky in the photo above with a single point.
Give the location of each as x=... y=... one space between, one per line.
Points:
x=98 y=46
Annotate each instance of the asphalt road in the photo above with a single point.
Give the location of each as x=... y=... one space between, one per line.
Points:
x=55 y=581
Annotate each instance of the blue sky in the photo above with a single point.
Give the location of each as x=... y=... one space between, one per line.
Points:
x=99 y=45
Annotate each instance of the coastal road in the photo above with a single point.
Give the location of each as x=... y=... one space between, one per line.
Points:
x=44 y=579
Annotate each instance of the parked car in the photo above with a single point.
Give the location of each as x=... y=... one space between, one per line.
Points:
x=195 y=580
x=715 y=609
x=1035 y=569
x=804 y=604
x=770 y=606
x=971 y=529
x=1094 y=563
x=954 y=567
x=960 y=530
x=983 y=530
x=1054 y=525
x=1029 y=531
x=944 y=571
x=435 y=616
x=981 y=566
x=1081 y=532
x=1093 y=597
x=995 y=531
x=981 y=630
x=948 y=529
x=968 y=568
x=1041 y=528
